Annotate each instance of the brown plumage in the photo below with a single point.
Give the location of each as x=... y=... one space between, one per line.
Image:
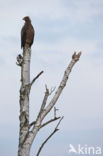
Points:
x=27 y=33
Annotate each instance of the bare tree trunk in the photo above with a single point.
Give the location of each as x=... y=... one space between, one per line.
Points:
x=24 y=102
x=28 y=131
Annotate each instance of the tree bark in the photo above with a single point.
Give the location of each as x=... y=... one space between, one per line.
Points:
x=24 y=102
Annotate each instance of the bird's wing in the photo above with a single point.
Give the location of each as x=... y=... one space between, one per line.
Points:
x=23 y=36
x=33 y=33
x=30 y=35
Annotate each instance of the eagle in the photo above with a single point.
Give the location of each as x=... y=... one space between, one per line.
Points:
x=27 y=33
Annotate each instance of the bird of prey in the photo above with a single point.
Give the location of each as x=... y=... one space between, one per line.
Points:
x=27 y=33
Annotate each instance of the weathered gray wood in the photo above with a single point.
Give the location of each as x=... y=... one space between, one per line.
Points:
x=26 y=136
x=24 y=101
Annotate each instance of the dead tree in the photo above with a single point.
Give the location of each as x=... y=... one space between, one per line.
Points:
x=28 y=131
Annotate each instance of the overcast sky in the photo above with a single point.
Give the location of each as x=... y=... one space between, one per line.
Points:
x=61 y=27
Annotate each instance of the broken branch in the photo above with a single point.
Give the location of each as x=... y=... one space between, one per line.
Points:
x=46 y=123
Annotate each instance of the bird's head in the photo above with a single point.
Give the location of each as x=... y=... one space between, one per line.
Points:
x=27 y=19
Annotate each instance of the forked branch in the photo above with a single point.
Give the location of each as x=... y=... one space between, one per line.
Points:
x=75 y=58
x=54 y=131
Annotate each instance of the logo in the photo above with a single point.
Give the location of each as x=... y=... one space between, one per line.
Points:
x=89 y=150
